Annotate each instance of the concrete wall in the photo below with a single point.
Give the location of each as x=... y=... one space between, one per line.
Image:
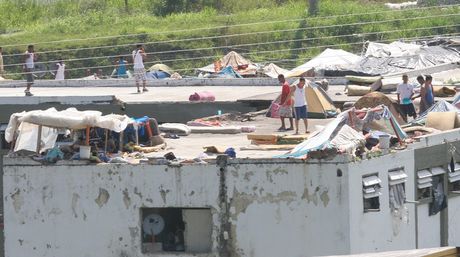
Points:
x=257 y=209
x=288 y=210
x=382 y=230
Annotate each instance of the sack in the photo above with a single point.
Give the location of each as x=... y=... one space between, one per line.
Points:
x=273 y=112
x=285 y=111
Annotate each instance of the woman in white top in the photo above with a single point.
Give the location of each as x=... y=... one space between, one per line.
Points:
x=60 y=71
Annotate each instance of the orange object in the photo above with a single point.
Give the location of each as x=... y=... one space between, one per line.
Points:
x=87 y=135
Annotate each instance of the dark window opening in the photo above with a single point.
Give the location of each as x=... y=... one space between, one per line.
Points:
x=176 y=230
x=371 y=193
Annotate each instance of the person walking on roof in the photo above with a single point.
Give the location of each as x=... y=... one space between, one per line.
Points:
x=405 y=92
x=300 y=105
x=139 y=70
x=285 y=104
x=29 y=59
x=60 y=71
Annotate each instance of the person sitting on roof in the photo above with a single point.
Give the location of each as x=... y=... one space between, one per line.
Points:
x=405 y=92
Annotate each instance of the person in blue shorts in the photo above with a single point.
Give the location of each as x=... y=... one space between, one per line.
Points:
x=300 y=105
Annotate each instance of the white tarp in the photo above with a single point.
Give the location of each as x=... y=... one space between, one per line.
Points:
x=27 y=138
x=272 y=70
x=25 y=125
x=73 y=119
x=329 y=59
x=394 y=49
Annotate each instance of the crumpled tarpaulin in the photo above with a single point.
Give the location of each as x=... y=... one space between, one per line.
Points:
x=323 y=139
x=400 y=58
x=440 y=106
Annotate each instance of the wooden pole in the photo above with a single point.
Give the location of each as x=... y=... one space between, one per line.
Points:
x=39 y=138
x=313 y=7
x=396 y=132
x=120 y=142
x=87 y=135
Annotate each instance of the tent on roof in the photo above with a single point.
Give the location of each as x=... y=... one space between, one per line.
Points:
x=329 y=59
x=374 y=99
x=236 y=61
x=272 y=70
x=161 y=67
x=337 y=134
x=320 y=105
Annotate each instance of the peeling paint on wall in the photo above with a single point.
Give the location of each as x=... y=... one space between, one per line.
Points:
x=126 y=198
x=102 y=198
x=75 y=198
x=18 y=200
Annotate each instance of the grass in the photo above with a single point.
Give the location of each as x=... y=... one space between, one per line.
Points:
x=30 y=21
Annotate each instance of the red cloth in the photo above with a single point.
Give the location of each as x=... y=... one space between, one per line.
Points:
x=285 y=93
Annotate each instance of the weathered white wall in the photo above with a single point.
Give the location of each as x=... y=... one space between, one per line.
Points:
x=274 y=209
x=381 y=231
x=94 y=210
x=429 y=227
x=453 y=220
x=289 y=210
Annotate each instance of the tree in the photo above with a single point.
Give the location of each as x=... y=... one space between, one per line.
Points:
x=313 y=7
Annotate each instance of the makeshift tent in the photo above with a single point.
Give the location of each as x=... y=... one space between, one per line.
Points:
x=393 y=49
x=25 y=126
x=272 y=70
x=333 y=132
x=320 y=105
x=234 y=60
x=374 y=99
x=329 y=59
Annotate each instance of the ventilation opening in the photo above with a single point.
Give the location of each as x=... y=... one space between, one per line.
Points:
x=176 y=230
x=371 y=193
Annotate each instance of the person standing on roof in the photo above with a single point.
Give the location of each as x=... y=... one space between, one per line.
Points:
x=29 y=59
x=428 y=92
x=139 y=70
x=121 y=67
x=285 y=104
x=405 y=92
x=60 y=70
x=300 y=105
x=1 y=62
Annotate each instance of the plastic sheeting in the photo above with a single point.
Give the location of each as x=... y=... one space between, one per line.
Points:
x=27 y=138
x=440 y=106
x=324 y=138
x=71 y=118
x=329 y=59
x=272 y=70
x=381 y=61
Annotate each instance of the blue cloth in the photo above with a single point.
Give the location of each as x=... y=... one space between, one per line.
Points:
x=121 y=71
x=429 y=97
x=230 y=152
x=301 y=112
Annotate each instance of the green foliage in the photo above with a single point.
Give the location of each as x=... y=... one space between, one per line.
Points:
x=176 y=29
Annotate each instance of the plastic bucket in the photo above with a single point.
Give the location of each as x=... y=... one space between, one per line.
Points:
x=85 y=152
x=384 y=141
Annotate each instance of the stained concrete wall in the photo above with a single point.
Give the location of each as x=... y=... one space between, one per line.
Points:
x=257 y=209
x=382 y=230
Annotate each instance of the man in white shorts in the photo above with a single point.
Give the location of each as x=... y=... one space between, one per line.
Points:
x=139 y=70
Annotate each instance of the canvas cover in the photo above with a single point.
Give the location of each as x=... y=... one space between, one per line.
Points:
x=234 y=60
x=329 y=59
x=161 y=67
x=333 y=132
x=374 y=99
x=439 y=106
x=272 y=70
